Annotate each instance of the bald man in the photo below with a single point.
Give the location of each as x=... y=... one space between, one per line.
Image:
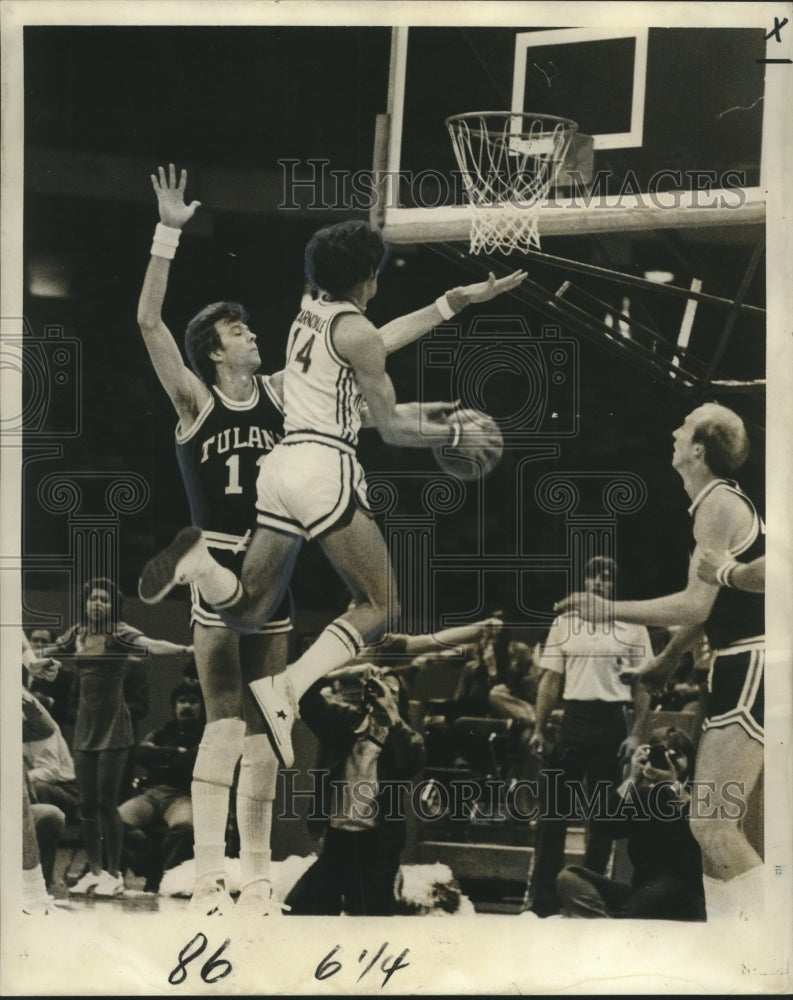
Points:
x=709 y=447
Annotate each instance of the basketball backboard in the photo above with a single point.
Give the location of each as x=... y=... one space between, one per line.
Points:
x=675 y=115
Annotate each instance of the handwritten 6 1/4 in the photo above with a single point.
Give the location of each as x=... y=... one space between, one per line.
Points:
x=215 y=967
x=330 y=964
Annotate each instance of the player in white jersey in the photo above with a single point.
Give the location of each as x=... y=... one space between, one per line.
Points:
x=310 y=485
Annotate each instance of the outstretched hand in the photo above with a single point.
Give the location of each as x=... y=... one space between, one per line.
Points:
x=590 y=607
x=45 y=667
x=174 y=211
x=483 y=291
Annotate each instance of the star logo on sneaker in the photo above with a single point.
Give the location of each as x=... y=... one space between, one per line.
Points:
x=281 y=714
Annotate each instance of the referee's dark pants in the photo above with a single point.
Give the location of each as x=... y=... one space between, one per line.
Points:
x=585 y=754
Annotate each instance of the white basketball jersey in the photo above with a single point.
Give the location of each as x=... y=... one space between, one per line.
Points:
x=322 y=400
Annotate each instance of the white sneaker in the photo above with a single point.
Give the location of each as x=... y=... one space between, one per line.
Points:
x=256 y=898
x=210 y=896
x=175 y=565
x=44 y=905
x=86 y=885
x=109 y=885
x=276 y=698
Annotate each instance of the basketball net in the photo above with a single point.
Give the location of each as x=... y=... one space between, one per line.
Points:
x=508 y=162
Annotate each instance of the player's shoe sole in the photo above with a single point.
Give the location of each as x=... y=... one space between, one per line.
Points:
x=275 y=698
x=162 y=573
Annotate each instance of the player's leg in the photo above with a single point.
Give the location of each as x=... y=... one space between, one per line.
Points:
x=729 y=763
x=244 y=603
x=358 y=551
x=217 y=658
x=261 y=656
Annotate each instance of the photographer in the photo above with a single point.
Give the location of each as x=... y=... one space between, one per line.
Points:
x=650 y=809
x=364 y=744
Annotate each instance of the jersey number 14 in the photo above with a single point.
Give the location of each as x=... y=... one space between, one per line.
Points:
x=304 y=354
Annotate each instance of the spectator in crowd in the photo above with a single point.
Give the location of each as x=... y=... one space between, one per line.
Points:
x=501 y=677
x=650 y=809
x=48 y=820
x=158 y=823
x=49 y=766
x=55 y=695
x=362 y=748
x=102 y=647
x=36 y=898
x=582 y=662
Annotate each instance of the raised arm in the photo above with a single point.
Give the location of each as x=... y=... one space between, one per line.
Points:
x=406 y=329
x=186 y=391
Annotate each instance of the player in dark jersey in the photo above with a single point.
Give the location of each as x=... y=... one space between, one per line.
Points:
x=710 y=446
x=229 y=419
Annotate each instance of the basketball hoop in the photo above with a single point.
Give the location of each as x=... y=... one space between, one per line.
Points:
x=508 y=160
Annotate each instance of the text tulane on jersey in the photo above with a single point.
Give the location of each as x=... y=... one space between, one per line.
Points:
x=233 y=438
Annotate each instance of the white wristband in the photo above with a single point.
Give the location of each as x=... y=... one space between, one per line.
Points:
x=443 y=307
x=724 y=571
x=166 y=240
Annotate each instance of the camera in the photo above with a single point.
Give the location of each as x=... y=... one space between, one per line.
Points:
x=372 y=689
x=661 y=758
x=528 y=383
x=50 y=369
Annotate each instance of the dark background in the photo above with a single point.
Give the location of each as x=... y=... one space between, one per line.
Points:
x=105 y=106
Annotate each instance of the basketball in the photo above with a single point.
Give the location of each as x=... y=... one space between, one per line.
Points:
x=478 y=450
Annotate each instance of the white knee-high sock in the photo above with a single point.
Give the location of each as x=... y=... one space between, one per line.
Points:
x=255 y=795
x=336 y=645
x=254 y=819
x=220 y=749
x=210 y=815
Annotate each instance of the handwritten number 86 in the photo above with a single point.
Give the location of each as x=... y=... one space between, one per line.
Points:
x=221 y=967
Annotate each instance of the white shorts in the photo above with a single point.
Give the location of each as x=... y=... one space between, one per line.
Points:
x=307 y=488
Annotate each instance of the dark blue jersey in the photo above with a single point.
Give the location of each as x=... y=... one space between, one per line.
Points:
x=736 y=614
x=219 y=457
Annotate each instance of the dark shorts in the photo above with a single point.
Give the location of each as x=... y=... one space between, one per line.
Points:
x=735 y=688
x=229 y=551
